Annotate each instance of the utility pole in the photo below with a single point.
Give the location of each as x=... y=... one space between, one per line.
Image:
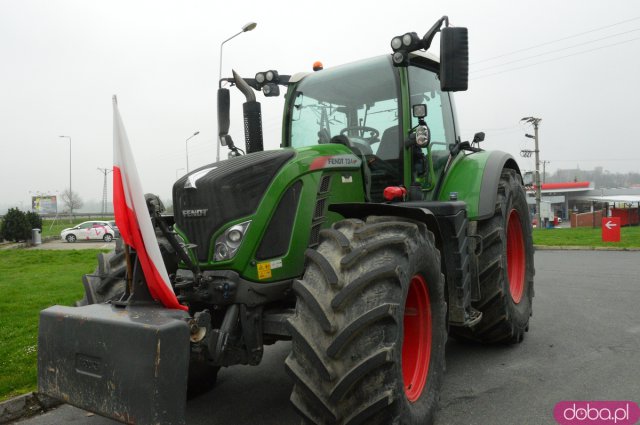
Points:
x=104 y=171
x=70 y=190
x=544 y=170
x=536 y=122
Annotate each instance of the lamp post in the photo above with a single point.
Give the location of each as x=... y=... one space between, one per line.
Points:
x=70 y=191
x=186 y=147
x=536 y=122
x=248 y=27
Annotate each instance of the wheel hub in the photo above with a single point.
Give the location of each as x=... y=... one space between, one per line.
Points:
x=416 y=347
x=515 y=256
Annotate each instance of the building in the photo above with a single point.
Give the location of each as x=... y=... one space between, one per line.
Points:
x=581 y=197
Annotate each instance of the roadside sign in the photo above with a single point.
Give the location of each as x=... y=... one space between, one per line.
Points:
x=611 y=229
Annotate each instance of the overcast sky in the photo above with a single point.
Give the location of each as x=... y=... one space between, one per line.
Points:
x=61 y=61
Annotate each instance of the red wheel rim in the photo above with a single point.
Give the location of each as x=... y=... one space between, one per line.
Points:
x=416 y=346
x=515 y=256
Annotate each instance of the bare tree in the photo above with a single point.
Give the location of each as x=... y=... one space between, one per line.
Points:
x=71 y=200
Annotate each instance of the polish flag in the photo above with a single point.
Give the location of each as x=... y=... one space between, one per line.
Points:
x=132 y=216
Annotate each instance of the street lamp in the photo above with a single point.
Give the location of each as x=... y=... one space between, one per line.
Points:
x=248 y=27
x=536 y=122
x=186 y=147
x=70 y=191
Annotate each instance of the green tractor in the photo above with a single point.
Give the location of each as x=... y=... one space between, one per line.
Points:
x=367 y=239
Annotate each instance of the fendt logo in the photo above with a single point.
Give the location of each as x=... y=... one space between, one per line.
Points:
x=195 y=213
x=596 y=412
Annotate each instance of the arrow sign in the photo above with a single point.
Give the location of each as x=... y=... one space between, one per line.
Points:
x=611 y=229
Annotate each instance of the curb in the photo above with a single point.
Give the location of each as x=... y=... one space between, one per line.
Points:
x=20 y=245
x=25 y=406
x=583 y=248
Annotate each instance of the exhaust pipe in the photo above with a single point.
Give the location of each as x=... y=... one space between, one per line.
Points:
x=252 y=111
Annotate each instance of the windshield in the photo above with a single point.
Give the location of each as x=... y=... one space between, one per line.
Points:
x=355 y=105
x=357 y=100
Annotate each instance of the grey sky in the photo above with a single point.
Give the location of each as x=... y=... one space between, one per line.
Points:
x=63 y=60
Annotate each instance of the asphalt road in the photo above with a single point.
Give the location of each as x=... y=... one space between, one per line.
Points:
x=584 y=344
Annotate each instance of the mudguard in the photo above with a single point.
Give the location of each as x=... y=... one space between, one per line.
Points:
x=474 y=178
x=129 y=364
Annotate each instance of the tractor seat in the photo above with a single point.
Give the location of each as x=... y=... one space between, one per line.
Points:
x=389 y=148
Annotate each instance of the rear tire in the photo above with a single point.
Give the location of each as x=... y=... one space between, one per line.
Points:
x=505 y=267
x=369 y=332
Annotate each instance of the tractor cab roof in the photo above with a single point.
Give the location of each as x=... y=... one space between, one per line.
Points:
x=299 y=76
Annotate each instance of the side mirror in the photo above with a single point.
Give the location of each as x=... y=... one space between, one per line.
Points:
x=454 y=59
x=223 y=115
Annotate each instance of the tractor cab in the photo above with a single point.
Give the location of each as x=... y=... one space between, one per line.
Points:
x=393 y=112
x=374 y=117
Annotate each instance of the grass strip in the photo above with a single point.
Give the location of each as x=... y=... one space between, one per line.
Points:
x=585 y=236
x=32 y=280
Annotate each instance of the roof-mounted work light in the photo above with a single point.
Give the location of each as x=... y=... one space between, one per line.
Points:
x=402 y=45
x=268 y=81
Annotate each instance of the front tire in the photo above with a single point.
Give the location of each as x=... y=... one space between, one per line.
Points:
x=505 y=267
x=107 y=238
x=369 y=332
x=71 y=238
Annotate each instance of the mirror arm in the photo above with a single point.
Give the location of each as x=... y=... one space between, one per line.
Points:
x=428 y=37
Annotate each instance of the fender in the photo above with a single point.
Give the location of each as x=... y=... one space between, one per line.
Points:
x=448 y=222
x=363 y=209
x=474 y=177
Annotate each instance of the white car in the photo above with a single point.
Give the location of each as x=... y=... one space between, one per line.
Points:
x=89 y=230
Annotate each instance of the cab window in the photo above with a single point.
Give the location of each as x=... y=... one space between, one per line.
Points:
x=424 y=88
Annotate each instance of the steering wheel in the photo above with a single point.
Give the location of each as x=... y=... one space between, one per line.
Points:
x=373 y=137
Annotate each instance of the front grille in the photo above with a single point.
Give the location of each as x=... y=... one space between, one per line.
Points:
x=315 y=235
x=324 y=184
x=232 y=189
x=319 y=211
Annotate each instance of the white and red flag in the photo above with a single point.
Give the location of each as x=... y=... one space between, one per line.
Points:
x=132 y=216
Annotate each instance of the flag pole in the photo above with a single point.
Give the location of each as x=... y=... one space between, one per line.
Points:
x=127 y=252
x=127 y=256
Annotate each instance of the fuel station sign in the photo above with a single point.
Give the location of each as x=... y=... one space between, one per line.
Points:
x=611 y=229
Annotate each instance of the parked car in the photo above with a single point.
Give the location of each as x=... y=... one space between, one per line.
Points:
x=112 y=223
x=89 y=230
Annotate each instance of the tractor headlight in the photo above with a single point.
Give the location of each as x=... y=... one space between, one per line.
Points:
x=229 y=241
x=260 y=77
x=272 y=76
x=271 y=89
x=423 y=136
x=234 y=236
x=407 y=39
x=396 y=43
x=398 y=58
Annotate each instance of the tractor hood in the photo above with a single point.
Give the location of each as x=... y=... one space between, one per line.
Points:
x=215 y=194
